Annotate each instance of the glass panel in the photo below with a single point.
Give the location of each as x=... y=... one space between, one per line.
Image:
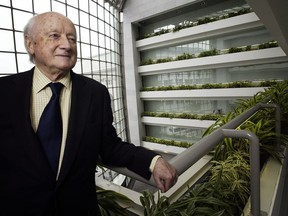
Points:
x=7 y=22
x=259 y=72
x=20 y=47
x=101 y=2
x=85 y=50
x=95 y=66
x=5 y=2
x=97 y=77
x=95 y=53
x=84 y=19
x=8 y=63
x=220 y=75
x=100 y=12
x=41 y=6
x=107 y=30
x=94 y=23
x=20 y=19
x=77 y=67
x=72 y=13
x=101 y=40
x=85 y=36
x=102 y=54
x=23 y=5
x=190 y=106
x=94 y=38
x=84 y=5
x=59 y=7
x=101 y=26
x=6 y=42
x=87 y=66
x=73 y=3
x=23 y=62
x=190 y=135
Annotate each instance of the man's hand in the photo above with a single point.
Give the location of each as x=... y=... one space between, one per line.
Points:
x=165 y=175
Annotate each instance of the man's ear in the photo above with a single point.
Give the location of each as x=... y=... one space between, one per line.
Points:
x=29 y=44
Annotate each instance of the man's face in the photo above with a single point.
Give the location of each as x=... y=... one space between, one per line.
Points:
x=53 y=44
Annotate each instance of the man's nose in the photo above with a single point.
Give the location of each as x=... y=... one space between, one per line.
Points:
x=65 y=43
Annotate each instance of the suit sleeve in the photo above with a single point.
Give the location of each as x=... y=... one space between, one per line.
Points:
x=115 y=152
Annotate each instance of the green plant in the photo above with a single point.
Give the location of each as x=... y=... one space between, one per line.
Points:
x=163 y=60
x=204 y=20
x=236 y=84
x=236 y=49
x=188 y=24
x=212 y=52
x=269 y=44
x=182 y=115
x=152 y=208
x=108 y=203
x=277 y=94
x=181 y=144
x=263 y=128
x=147 y=62
x=208 y=53
x=185 y=56
x=199 y=200
x=232 y=175
x=226 y=188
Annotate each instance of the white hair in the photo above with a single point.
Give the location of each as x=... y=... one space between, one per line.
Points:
x=29 y=33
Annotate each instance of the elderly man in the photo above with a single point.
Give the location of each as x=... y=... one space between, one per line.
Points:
x=54 y=124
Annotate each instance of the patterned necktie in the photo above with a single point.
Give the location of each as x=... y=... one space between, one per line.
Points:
x=50 y=127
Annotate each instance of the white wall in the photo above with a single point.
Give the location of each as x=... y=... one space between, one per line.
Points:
x=135 y=11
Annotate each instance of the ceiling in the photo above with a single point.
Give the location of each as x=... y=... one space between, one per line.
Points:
x=198 y=4
x=273 y=14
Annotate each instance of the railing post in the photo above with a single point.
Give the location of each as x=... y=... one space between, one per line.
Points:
x=191 y=155
x=254 y=165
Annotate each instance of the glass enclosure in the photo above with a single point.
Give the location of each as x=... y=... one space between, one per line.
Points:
x=181 y=134
x=259 y=72
x=98 y=32
x=219 y=43
x=199 y=107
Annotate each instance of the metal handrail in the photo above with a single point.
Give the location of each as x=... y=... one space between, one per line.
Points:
x=254 y=165
x=190 y=156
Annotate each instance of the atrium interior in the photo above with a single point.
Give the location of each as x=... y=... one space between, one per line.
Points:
x=190 y=79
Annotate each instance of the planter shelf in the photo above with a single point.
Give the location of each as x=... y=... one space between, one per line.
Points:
x=245 y=21
x=263 y=56
x=201 y=94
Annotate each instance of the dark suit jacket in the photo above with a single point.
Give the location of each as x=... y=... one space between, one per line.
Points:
x=27 y=183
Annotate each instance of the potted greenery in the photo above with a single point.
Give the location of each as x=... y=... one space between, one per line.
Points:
x=200 y=21
x=108 y=203
x=226 y=187
x=213 y=52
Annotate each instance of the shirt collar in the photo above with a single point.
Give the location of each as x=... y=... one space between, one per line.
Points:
x=40 y=81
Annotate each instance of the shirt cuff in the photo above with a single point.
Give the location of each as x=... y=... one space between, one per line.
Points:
x=153 y=162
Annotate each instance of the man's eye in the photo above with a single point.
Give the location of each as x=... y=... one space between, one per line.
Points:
x=72 y=39
x=54 y=36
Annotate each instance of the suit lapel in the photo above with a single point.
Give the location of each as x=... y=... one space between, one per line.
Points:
x=22 y=95
x=79 y=108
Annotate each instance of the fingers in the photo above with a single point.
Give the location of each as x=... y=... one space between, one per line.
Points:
x=165 y=184
x=160 y=185
x=165 y=175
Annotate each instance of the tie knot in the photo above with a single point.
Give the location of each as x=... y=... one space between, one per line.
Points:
x=56 y=88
